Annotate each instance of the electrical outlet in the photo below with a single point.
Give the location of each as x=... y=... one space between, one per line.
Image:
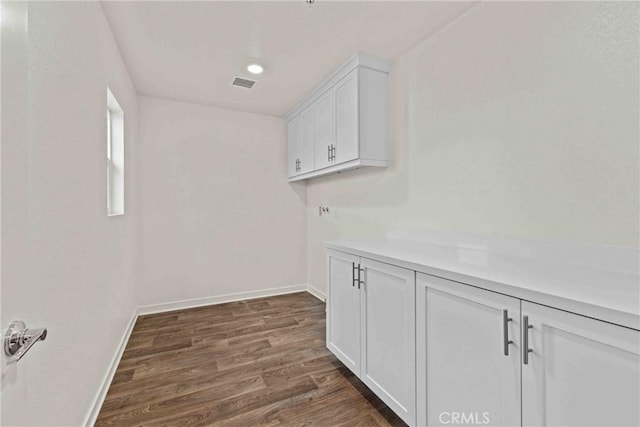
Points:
x=323 y=210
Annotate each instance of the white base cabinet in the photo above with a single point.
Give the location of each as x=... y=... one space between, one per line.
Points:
x=576 y=371
x=579 y=371
x=442 y=352
x=371 y=326
x=468 y=355
x=343 y=310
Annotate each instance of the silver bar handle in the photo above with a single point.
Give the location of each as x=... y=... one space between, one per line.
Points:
x=525 y=339
x=328 y=153
x=505 y=331
x=360 y=271
x=353 y=274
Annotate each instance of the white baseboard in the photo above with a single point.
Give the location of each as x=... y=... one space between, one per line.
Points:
x=179 y=305
x=220 y=299
x=92 y=416
x=316 y=293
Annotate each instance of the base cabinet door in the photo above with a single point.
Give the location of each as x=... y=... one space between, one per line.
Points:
x=468 y=355
x=343 y=309
x=388 y=335
x=578 y=371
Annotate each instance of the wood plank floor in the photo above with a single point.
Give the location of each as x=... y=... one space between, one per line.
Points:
x=247 y=363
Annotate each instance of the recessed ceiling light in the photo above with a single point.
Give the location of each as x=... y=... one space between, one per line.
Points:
x=255 y=68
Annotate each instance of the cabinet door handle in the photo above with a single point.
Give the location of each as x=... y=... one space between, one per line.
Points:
x=333 y=152
x=328 y=153
x=525 y=339
x=353 y=274
x=360 y=270
x=505 y=331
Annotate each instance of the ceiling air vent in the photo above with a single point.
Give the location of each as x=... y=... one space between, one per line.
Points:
x=246 y=83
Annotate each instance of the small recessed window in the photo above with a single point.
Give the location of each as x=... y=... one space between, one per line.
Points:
x=115 y=156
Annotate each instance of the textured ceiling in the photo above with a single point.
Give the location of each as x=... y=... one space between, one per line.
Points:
x=191 y=51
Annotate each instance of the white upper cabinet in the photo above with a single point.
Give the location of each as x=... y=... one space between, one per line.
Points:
x=307 y=154
x=294 y=138
x=348 y=126
x=324 y=129
x=347 y=118
x=300 y=146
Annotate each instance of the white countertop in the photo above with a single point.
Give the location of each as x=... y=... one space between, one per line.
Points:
x=595 y=289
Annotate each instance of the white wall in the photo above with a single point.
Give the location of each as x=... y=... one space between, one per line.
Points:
x=65 y=265
x=518 y=118
x=217 y=215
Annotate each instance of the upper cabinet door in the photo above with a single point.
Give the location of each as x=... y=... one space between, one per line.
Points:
x=579 y=372
x=294 y=140
x=347 y=120
x=468 y=354
x=307 y=147
x=343 y=309
x=324 y=129
x=388 y=335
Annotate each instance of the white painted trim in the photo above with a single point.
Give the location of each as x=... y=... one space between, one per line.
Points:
x=199 y=302
x=92 y=416
x=317 y=293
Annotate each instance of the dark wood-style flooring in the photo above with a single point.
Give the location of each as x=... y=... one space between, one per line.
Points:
x=246 y=363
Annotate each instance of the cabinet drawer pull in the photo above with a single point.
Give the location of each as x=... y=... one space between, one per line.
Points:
x=505 y=331
x=525 y=339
